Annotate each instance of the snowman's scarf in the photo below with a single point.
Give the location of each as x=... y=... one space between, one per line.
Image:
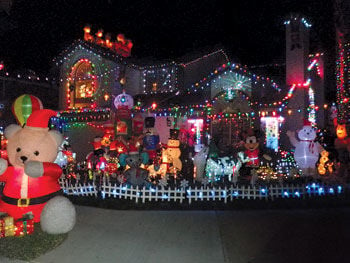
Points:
x=311 y=145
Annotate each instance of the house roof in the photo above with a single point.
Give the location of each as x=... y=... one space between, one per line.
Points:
x=99 y=50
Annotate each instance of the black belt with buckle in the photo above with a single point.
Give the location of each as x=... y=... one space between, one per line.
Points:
x=24 y=202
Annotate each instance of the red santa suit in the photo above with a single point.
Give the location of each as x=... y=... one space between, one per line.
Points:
x=22 y=193
x=25 y=190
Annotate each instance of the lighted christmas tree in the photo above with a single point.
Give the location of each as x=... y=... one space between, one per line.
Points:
x=286 y=165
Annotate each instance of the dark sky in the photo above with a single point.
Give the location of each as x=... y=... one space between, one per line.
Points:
x=252 y=32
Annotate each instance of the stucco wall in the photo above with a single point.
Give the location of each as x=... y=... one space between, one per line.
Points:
x=107 y=72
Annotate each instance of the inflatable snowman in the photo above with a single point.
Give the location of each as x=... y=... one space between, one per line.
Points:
x=306 y=149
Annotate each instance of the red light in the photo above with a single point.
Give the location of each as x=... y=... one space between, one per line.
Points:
x=2 y=66
x=154 y=105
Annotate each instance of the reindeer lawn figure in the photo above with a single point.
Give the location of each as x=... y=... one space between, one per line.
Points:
x=225 y=166
x=240 y=161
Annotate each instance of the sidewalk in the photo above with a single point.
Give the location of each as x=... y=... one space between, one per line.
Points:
x=139 y=236
x=263 y=236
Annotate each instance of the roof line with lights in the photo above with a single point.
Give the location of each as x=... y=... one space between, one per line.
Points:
x=223 y=68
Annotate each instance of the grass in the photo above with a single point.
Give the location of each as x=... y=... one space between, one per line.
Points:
x=31 y=246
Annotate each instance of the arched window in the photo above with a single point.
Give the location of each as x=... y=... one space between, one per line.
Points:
x=83 y=80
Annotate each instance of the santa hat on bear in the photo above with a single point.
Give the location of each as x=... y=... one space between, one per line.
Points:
x=40 y=118
x=133 y=149
x=307 y=123
x=97 y=143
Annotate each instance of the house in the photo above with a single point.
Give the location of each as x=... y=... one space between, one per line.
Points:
x=228 y=97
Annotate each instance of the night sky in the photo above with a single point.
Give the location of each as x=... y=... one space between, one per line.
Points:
x=252 y=32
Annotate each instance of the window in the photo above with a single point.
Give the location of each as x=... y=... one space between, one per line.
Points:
x=83 y=80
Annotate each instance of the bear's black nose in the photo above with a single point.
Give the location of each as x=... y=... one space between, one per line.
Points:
x=23 y=158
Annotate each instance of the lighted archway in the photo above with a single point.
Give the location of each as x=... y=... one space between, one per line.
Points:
x=82 y=83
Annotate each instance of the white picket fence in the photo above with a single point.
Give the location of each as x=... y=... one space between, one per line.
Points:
x=145 y=194
x=226 y=194
x=78 y=189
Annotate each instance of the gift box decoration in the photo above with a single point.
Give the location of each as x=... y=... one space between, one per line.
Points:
x=7 y=227
x=24 y=226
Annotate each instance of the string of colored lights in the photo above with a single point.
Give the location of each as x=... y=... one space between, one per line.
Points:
x=160 y=80
x=29 y=78
x=343 y=82
x=303 y=20
x=205 y=82
x=315 y=62
x=98 y=51
x=311 y=109
x=205 y=57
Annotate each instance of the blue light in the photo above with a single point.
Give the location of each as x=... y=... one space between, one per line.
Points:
x=339 y=189
x=102 y=166
x=313 y=185
x=331 y=190
x=297 y=194
x=152 y=190
x=224 y=193
x=165 y=196
x=320 y=191
x=200 y=194
x=263 y=191
x=286 y=194
x=235 y=193
x=188 y=192
x=103 y=193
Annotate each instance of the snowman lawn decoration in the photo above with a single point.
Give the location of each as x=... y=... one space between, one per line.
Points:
x=306 y=149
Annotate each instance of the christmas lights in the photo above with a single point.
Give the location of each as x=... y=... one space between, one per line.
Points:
x=205 y=57
x=302 y=20
x=343 y=81
x=312 y=109
x=160 y=80
x=272 y=125
x=230 y=67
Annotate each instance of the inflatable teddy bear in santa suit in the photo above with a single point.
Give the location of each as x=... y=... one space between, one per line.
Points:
x=31 y=182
